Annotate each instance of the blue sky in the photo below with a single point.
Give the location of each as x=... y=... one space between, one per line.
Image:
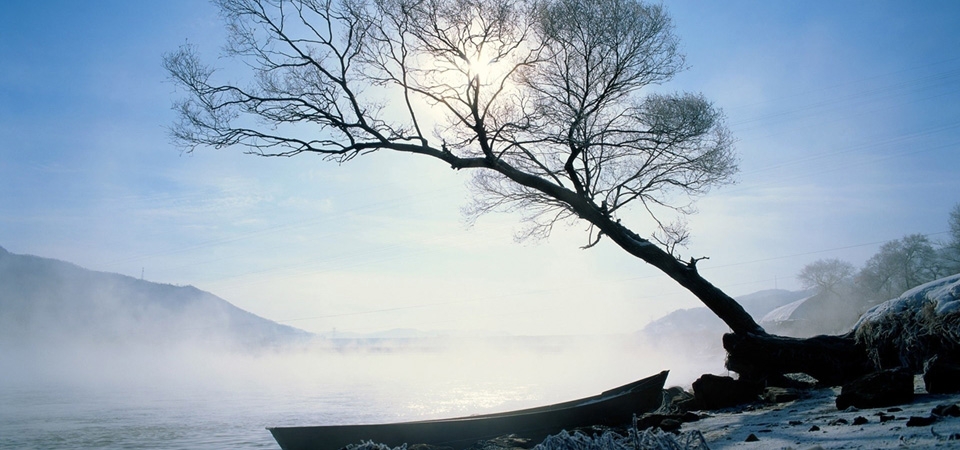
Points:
x=847 y=116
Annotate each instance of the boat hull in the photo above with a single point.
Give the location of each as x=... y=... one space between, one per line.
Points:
x=612 y=408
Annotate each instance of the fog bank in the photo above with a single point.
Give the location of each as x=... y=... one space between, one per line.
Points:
x=388 y=381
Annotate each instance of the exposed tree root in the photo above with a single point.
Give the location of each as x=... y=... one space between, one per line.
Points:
x=832 y=360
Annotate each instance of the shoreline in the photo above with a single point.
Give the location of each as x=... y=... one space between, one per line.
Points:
x=814 y=422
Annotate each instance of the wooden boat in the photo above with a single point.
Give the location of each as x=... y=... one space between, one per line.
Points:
x=612 y=408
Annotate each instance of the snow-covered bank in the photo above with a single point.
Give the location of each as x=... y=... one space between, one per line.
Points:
x=907 y=331
x=813 y=422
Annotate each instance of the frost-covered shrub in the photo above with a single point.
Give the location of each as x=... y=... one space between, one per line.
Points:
x=908 y=330
x=608 y=440
x=636 y=440
x=370 y=445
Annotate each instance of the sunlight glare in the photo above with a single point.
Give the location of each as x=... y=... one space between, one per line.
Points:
x=482 y=66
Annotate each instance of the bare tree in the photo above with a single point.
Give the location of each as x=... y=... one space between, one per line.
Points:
x=825 y=275
x=547 y=103
x=900 y=265
x=950 y=252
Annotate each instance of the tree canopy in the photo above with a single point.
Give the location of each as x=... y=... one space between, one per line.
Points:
x=825 y=275
x=546 y=94
x=548 y=102
x=899 y=265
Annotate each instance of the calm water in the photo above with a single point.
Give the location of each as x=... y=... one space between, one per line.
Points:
x=68 y=418
x=229 y=412
x=219 y=402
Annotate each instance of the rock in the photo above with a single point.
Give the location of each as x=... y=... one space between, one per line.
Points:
x=860 y=420
x=840 y=421
x=428 y=447
x=780 y=395
x=921 y=421
x=877 y=390
x=715 y=392
x=799 y=381
x=676 y=400
x=670 y=425
x=947 y=410
x=508 y=442
x=884 y=418
x=752 y=438
x=652 y=420
x=814 y=428
x=665 y=422
x=689 y=404
x=941 y=376
x=675 y=394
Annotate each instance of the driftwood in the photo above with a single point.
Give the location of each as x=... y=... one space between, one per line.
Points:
x=832 y=360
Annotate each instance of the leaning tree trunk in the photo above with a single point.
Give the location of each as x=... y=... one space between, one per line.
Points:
x=751 y=351
x=686 y=274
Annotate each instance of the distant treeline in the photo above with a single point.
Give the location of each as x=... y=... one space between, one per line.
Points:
x=898 y=266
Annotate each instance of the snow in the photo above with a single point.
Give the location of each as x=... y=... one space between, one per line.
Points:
x=811 y=423
x=942 y=294
x=814 y=422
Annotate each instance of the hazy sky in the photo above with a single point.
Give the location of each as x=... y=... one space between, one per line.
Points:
x=847 y=116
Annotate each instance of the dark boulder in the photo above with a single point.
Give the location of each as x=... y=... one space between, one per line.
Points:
x=676 y=401
x=877 y=390
x=665 y=422
x=428 y=447
x=670 y=425
x=780 y=395
x=917 y=421
x=947 y=410
x=508 y=442
x=715 y=392
x=941 y=376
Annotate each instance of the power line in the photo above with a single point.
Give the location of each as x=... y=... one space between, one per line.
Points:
x=815 y=252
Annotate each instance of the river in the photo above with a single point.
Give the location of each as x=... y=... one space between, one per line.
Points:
x=217 y=401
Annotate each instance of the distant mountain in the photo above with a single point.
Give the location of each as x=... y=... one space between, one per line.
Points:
x=699 y=330
x=49 y=301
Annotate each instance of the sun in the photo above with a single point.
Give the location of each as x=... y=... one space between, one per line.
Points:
x=485 y=66
x=481 y=65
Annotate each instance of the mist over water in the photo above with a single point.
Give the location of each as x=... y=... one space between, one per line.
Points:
x=196 y=396
x=98 y=360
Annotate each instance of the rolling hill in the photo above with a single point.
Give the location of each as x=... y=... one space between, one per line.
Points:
x=47 y=301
